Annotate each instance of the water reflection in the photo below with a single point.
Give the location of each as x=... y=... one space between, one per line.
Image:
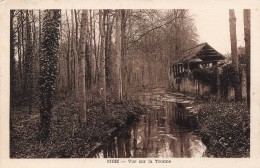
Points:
x=155 y=135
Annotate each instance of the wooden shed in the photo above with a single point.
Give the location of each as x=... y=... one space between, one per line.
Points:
x=202 y=55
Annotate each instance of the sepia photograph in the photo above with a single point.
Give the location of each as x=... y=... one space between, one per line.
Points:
x=129 y=83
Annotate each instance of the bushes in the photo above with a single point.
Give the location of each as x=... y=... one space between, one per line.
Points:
x=206 y=76
x=225 y=128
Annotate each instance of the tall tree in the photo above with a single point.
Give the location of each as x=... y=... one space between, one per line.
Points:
x=92 y=53
x=19 y=47
x=123 y=52
x=48 y=68
x=29 y=61
x=233 y=39
x=247 y=32
x=77 y=26
x=118 y=68
x=68 y=56
x=75 y=55
x=108 y=46
x=102 y=57
x=12 y=53
x=82 y=90
x=12 y=62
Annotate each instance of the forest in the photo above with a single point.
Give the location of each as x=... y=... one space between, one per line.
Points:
x=76 y=75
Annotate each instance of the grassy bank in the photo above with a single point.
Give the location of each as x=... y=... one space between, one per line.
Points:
x=68 y=137
x=225 y=128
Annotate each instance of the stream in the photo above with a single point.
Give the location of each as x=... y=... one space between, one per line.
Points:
x=156 y=134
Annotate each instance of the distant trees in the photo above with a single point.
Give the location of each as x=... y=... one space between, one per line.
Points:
x=92 y=55
x=48 y=67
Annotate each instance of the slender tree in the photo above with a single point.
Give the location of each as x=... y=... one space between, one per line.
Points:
x=75 y=54
x=12 y=52
x=102 y=57
x=247 y=32
x=118 y=71
x=92 y=53
x=19 y=47
x=12 y=61
x=77 y=26
x=48 y=68
x=82 y=90
x=23 y=54
x=233 y=38
x=29 y=58
x=123 y=52
x=68 y=56
x=109 y=43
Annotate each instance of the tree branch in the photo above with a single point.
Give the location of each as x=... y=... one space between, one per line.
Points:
x=144 y=34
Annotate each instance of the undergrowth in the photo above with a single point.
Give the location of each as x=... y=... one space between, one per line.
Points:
x=225 y=128
x=68 y=138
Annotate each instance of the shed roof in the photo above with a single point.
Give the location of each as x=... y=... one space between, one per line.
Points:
x=203 y=51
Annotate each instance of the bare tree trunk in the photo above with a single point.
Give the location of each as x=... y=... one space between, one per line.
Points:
x=118 y=73
x=247 y=32
x=82 y=90
x=98 y=61
x=233 y=38
x=109 y=60
x=23 y=56
x=102 y=58
x=12 y=54
x=77 y=27
x=37 y=60
x=95 y=51
x=123 y=51
x=68 y=56
x=29 y=56
x=19 y=50
x=75 y=54
x=92 y=55
x=130 y=62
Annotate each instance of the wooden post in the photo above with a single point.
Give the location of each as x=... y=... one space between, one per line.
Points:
x=218 y=84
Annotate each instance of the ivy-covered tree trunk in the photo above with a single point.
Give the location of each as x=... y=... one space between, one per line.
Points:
x=247 y=25
x=29 y=58
x=233 y=38
x=48 y=68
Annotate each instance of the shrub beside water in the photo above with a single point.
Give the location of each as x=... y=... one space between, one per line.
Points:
x=225 y=129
